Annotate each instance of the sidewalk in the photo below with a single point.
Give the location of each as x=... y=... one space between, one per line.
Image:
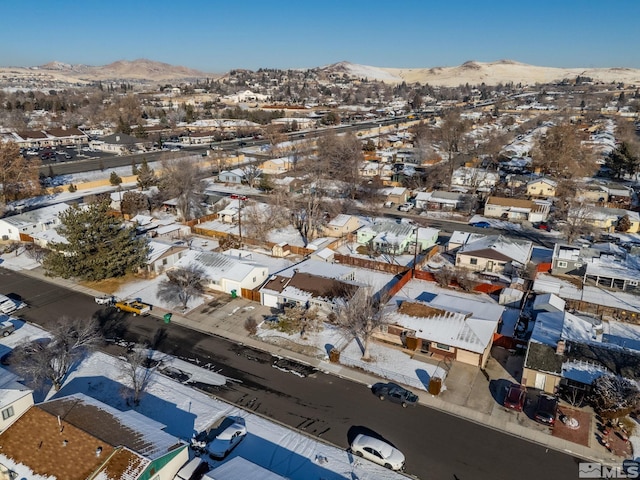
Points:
x=474 y=404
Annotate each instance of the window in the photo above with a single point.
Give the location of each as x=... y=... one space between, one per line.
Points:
x=164 y=261
x=473 y=261
x=7 y=413
x=562 y=264
x=633 y=283
x=442 y=346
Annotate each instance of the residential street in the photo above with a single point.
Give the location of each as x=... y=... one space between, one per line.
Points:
x=437 y=445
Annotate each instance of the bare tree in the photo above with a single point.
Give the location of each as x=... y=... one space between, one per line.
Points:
x=138 y=367
x=360 y=316
x=577 y=222
x=19 y=177
x=51 y=361
x=182 y=284
x=342 y=157
x=251 y=174
x=560 y=153
x=182 y=179
x=451 y=134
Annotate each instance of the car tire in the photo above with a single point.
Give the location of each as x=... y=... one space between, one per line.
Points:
x=387 y=465
x=404 y=404
x=135 y=314
x=381 y=397
x=118 y=309
x=6 y=334
x=358 y=453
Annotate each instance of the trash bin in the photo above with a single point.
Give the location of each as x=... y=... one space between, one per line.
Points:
x=334 y=355
x=167 y=317
x=234 y=294
x=435 y=385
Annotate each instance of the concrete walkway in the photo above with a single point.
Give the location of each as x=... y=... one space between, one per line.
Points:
x=467 y=394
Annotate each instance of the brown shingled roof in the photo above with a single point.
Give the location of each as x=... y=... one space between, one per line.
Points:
x=36 y=440
x=510 y=202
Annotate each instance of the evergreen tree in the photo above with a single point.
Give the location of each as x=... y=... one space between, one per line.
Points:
x=622 y=161
x=97 y=246
x=146 y=175
x=134 y=168
x=115 y=179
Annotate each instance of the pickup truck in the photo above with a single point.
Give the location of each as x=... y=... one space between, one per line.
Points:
x=135 y=306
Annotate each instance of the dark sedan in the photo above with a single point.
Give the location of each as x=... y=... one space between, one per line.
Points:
x=395 y=393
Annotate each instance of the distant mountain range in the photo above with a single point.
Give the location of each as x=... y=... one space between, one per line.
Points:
x=471 y=72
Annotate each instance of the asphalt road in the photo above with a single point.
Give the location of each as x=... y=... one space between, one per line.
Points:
x=437 y=445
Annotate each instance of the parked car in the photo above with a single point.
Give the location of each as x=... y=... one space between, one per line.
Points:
x=7 y=328
x=482 y=224
x=394 y=393
x=542 y=226
x=516 y=396
x=405 y=207
x=105 y=299
x=194 y=469
x=377 y=451
x=388 y=204
x=226 y=441
x=547 y=409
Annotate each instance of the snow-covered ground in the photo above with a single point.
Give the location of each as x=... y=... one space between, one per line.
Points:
x=185 y=412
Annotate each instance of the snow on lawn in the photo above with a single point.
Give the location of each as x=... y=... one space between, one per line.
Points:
x=186 y=412
x=386 y=362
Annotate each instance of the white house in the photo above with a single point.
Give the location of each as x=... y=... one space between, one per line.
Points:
x=15 y=398
x=477 y=178
x=231 y=176
x=224 y=273
x=28 y=223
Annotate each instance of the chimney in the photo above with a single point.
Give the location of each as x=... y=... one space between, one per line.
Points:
x=117 y=138
x=65 y=442
x=98 y=451
x=560 y=347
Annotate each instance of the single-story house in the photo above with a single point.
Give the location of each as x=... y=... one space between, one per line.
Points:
x=277 y=166
x=494 y=254
x=576 y=349
x=20 y=227
x=542 y=187
x=225 y=273
x=517 y=209
x=231 y=176
x=15 y=398
x=119 y=143
x=398 y=195
x=163 y=256
x=85 y=438
x=341 y=225
x=476 y=178
x=307 y=290
x=457 y=327
x=396 y=238
x=441 y=200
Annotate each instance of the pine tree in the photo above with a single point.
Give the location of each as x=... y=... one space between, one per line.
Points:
x=115 y=179
x=97 y=246
x=146 y=175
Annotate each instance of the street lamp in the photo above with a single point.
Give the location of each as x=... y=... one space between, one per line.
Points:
x=240 y=198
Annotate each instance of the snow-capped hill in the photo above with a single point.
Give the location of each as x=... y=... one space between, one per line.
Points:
x=355 y=70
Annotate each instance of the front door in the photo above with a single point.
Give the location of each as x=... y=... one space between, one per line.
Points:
x=489 y=266
x=540 y=380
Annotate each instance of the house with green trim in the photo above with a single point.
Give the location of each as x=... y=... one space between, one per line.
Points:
x=80 y=438
x=396 y=238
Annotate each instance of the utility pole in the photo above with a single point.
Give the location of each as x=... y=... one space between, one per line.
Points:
x=241 y=199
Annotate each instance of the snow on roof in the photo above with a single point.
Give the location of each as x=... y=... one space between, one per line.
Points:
x=583 y=372
x=10 y=388
x=588 y=293
x=516 y=250
x=319 y=268
x=157 y=249
x=42 y=215
x=460 y=237
x=239 y=468
x=340 y=220
x=622 y=334
x=549 y=302
x=169 y=228
x=217 y=265
x=547 y=328
x=397 y=191
x=463 y=323
x=149 y=434
x=614 y=267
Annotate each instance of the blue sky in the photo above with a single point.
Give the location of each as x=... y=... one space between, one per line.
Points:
x=218 y=35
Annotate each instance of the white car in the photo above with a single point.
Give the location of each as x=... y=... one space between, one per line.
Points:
x=405 y=207
x=226 y=441
x=377 y=451
x=105 y=299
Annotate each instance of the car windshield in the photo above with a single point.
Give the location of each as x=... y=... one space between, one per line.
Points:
x=514 y=394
